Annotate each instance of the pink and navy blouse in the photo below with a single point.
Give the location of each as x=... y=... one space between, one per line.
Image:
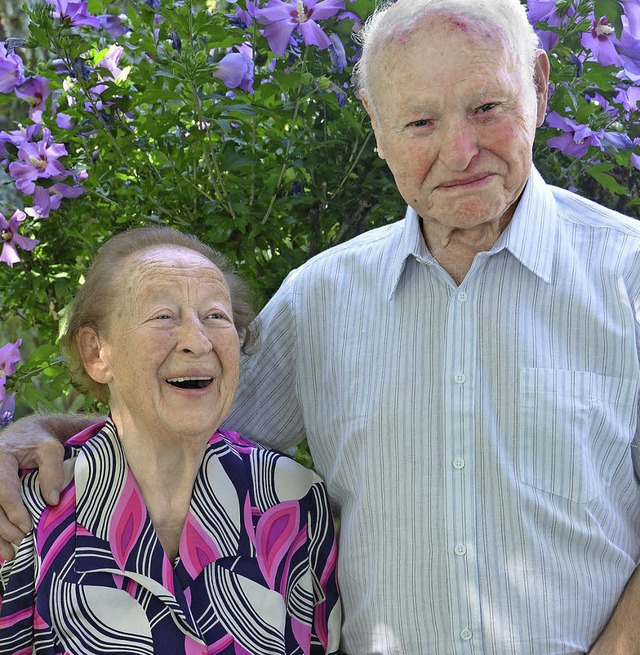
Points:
x=255 y=572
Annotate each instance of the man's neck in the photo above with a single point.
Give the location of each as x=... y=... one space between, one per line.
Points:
x=455 y=249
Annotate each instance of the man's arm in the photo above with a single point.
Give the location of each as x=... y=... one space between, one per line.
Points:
x=32 y=442
x=621 y=635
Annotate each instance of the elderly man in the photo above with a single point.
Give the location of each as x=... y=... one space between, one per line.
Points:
x=468 y=377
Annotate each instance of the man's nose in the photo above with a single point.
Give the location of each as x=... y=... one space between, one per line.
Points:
x=458 y=145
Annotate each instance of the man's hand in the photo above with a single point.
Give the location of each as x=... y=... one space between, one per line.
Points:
x=621 y=636
x=32 y=442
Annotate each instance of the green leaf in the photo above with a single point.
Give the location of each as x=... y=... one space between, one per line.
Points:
x=599 y=173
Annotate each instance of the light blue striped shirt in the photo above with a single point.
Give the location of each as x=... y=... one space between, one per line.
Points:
x=479 y=440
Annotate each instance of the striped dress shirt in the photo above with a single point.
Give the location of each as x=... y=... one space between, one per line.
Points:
x=480 y=440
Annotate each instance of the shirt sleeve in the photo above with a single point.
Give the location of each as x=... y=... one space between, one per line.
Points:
x=266 y=409
x=17 y=599
x=323 y=555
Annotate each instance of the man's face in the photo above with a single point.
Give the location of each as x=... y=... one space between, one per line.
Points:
x=455 y=122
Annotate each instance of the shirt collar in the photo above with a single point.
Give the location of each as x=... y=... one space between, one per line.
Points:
x=530 y=236
x=411 y=244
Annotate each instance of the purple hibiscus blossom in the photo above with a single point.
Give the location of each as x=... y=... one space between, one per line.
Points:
x=235 y=69
x=35 y=91
x=16 y=138
x=281 y=18
x=111 y=60
x=44 y=200
x=546 y=11
x=39 y=159
x=600 y=41
x=635 y=159
x=74 y=12
x=9 y=355
x=245 y=18
x=632 y=12
x=628 y=47
x=575 y=140
x=11 y=240
x=113 y=25
x=7 y=408
x=11 y=70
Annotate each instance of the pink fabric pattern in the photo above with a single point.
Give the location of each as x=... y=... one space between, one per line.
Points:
x=92 y=576
x=128 y=522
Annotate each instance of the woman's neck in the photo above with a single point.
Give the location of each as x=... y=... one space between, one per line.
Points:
x=165 y=475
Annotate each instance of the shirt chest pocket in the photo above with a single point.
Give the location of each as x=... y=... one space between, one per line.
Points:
x=574 y=431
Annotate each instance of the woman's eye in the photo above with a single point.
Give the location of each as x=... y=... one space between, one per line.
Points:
x=423 y=122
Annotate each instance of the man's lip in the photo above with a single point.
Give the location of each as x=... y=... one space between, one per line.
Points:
x=452 y=184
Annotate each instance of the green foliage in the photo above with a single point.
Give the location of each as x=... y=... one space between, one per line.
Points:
x=270 y=177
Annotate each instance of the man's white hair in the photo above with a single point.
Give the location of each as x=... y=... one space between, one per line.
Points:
x=505 y=20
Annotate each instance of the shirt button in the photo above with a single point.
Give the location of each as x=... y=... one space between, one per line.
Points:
x=460 y=550
x=462 y=296
x=458 y=463
x=460 y=378
x=466 y=634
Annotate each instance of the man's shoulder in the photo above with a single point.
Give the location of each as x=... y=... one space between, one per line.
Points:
x=363 y=249
x=579 y=211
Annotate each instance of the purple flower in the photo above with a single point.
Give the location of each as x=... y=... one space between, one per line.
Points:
x=11 y=70
x=628 y=47
x=632 y=12
x=546 y=11
x=635 y=159
x=614 y=141
x=9 y=355
x=44 y=200
x=7 y=408
x=245 y=18
x=35 y=91
x=281 y=18
x=63 y=121
x=16 y=138
x=336 y=53
x=39 y=160
x=74 y=12
x=600 y=42
x=576 y=138
x=113 y=25
x=235 y=69
x=11 y=241
x=111 y=59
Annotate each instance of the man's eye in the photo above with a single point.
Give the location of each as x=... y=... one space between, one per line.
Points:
x=483 y=109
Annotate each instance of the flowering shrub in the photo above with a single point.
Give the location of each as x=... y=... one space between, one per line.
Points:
x=238 y=123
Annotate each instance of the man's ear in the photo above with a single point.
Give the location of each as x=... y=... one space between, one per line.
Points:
x=541 y=80
x=374 y=123
x=92 y=353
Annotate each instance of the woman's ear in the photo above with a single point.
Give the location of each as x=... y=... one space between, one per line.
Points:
x=92 y=353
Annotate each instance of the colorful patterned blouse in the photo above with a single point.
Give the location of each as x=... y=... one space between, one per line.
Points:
x=255 y=572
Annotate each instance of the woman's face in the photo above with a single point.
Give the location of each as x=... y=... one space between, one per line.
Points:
x=170 y=355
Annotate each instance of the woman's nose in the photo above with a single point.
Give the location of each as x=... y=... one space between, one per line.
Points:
x=193 y=337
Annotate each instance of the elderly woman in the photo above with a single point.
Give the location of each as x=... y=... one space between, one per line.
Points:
x=168 y=539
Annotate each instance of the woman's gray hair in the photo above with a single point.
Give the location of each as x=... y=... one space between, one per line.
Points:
x=95 y=299
x=506 y=19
